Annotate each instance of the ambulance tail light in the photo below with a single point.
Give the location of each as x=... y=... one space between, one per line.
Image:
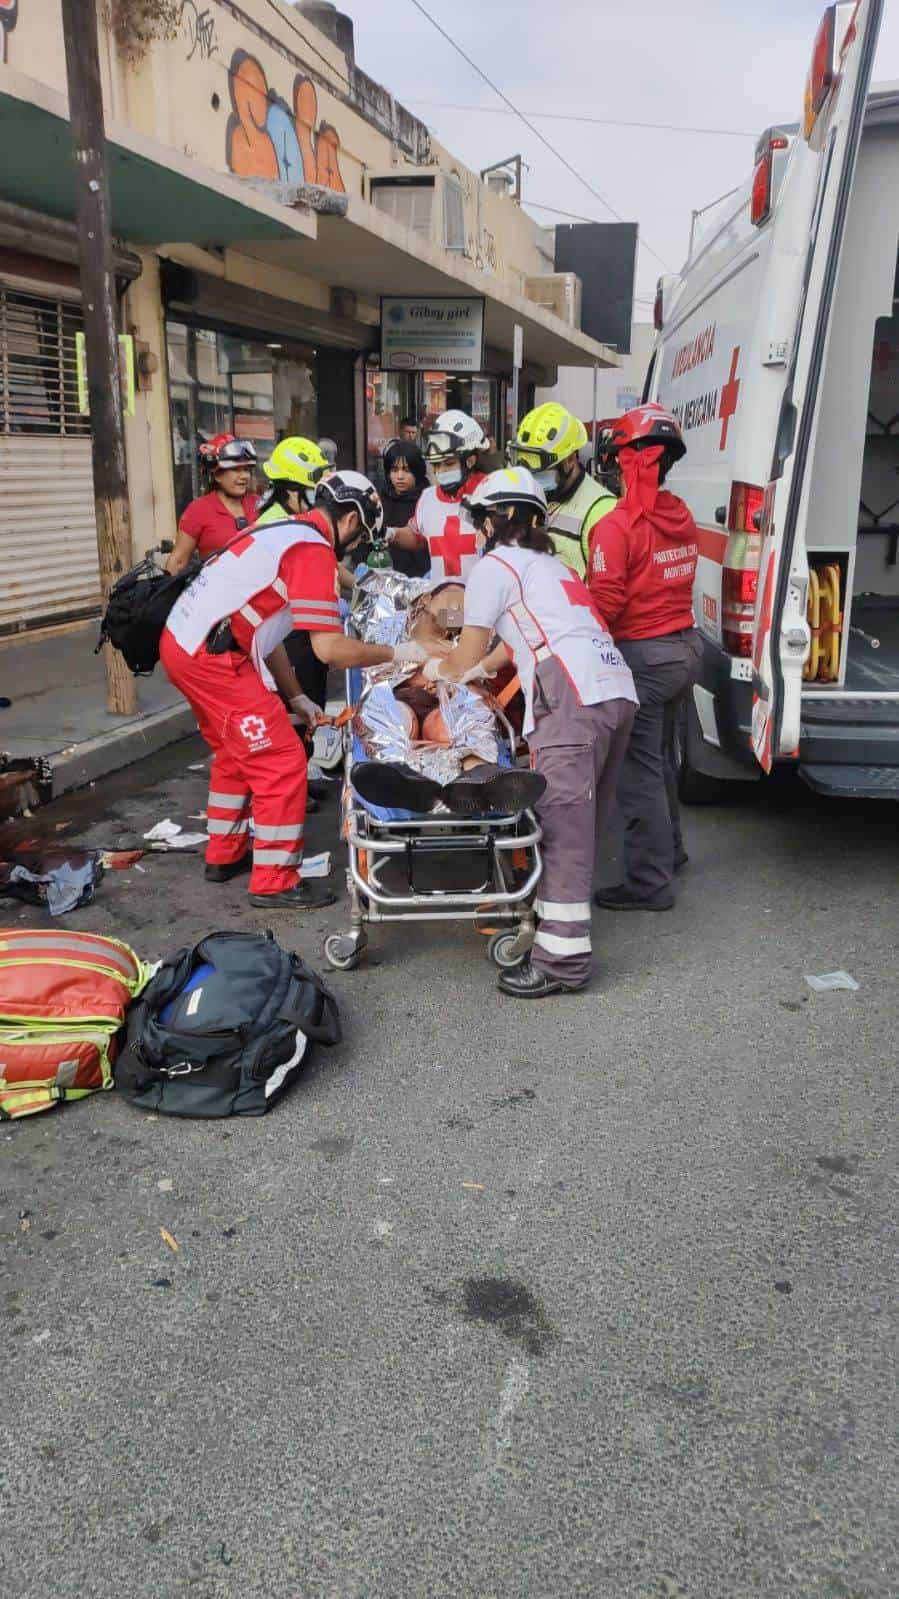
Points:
x=740 y=577
x=833 y=38
x=763 y=176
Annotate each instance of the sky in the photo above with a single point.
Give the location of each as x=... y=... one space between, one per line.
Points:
x=736 y=65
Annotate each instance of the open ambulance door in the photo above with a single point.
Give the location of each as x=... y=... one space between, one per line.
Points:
x=835 y=102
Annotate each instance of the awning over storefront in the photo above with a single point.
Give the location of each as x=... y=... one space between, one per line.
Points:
x=367 y=252
x=162 y=197
x=157 y=194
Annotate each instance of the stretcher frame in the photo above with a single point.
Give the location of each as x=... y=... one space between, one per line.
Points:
x=504 y=907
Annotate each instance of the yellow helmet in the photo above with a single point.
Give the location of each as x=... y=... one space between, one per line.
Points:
x=547 y=436
x=298 y=462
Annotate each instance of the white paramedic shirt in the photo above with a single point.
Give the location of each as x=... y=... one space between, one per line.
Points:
x=452 y=538
x=543 y=611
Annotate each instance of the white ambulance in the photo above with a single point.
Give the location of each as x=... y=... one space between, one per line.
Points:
x=778 y=351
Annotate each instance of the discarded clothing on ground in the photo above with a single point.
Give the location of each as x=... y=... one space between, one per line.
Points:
x=58 y=876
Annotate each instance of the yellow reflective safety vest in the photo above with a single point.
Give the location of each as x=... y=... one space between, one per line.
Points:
x=571 y=522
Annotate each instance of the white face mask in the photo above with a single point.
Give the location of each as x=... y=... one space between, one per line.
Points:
x=448 y=477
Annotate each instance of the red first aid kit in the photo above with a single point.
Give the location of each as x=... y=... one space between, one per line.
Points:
x=63 y=997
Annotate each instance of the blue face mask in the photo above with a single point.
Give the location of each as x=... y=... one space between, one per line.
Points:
x=548 y=481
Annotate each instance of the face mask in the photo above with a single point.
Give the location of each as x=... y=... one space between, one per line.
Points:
x=449 y=478
x=548 y=480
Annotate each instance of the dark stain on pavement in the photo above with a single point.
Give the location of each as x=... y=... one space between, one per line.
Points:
x=783 y=1287
x=523 y=1096
x=459 y=1124
x=511 y=1308
x=333 y=1147
x=838 y=1163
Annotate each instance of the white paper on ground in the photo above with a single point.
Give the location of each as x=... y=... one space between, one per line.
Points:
x=828 y=980
x=317 y=865
x=166 y=829
x=198 y=766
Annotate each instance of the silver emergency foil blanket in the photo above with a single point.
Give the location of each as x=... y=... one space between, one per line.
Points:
x=381 y=603
x=379 y=724
x=469 y=720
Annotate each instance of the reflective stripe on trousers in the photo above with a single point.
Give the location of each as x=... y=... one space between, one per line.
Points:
x=258 y=766
x=579 y=750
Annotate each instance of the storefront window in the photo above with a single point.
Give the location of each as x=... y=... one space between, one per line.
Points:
x=224 y=383
x=444 y=391
x=389 y=397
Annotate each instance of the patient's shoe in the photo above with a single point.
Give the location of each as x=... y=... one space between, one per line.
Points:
x=485 y=788
x=391 y=784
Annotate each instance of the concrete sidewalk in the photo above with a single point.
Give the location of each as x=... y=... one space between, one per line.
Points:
x=58 y=690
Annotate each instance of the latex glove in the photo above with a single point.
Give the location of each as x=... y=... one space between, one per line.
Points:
x=431 y=669
x=408 y=653
x=305 y=711
x=476 y=674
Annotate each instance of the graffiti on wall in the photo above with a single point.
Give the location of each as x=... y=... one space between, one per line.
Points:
x=9 y=16
x=267 y=138
x=198 y=30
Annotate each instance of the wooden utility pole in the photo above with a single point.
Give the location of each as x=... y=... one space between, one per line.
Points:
x=79 y=25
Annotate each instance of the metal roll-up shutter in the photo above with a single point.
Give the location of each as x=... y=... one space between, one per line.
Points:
x=48 y=536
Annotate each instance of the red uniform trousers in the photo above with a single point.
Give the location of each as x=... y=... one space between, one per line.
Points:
x=258 y=766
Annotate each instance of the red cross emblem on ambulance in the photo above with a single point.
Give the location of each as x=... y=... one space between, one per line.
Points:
x=730 y=398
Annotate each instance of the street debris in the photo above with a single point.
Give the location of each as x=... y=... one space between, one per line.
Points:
x=167 y=1238
x=170 y=835
x=828 y=980
x=479 y=1186
x=120 y=860
x=317 y=865
x=165 y=1185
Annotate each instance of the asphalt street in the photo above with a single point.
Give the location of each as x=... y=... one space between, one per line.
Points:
x=591 y=1297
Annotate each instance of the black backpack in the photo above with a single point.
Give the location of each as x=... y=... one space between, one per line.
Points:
x=138 y=609
x=230 y=1042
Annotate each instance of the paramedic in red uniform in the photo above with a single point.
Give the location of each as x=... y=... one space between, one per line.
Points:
x=229 y=506
x=641 y=573
x=440 y=523
x=223 y=647
x=579 y=699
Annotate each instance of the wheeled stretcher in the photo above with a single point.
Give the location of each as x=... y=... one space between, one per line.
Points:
x=489 y=866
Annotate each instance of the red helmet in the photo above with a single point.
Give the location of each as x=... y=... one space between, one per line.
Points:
x=224 y=450
x=645 y=425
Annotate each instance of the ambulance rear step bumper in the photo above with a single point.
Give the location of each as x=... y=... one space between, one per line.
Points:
x=855 y=733
x=852 y=782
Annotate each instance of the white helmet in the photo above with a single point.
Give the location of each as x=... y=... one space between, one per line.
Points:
x=454 y=433
x=350 y=491
x=511 y=488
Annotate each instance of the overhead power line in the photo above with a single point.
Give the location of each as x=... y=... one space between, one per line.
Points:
x=595 y=122
x=530 y=126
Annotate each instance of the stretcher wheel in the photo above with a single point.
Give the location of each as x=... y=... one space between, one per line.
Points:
x=505 y=949
x=343 y=951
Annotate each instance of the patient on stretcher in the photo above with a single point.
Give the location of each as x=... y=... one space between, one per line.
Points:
x=429 y=743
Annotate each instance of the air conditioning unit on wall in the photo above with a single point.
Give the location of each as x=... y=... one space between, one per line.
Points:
x=559 y=292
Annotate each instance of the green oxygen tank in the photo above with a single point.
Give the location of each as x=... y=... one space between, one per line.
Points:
x=378 y=556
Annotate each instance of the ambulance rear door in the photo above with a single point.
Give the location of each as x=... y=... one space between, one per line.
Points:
x=835 y=100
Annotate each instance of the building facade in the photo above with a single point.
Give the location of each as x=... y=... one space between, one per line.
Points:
x=265 y=194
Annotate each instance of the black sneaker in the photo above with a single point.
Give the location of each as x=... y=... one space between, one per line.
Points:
x=526 y=981
x=305 y=897
x=224 y=874
x=395 y=786
x=621 y=898
x=504 y=789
